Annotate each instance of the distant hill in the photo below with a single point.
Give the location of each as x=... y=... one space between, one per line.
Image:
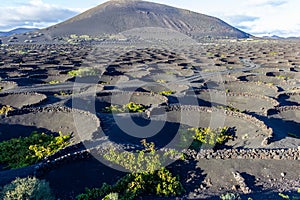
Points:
x=272 y=37
x=116 y=16
x=293 y=38
x=281 y=38
x=17 y=31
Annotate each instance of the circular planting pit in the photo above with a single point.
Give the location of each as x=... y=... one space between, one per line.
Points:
x=229 y=78
x=288 y=113
x=160 y=88
x=265 y=71
x=7 y=85
x=147 y=99
x=137 y=73
x=290 y=98
x=113 y=79
x=162 y=78
x=26 y=81
x=180 y=69
x=49 y=119
x=52 y=79
x=249 y=132
x=250 y=87
x=90 y=173
x=265 y=79
x=131 y=128
x=178 y=88
x=14 y=74
x=20 y=100
x=103 y=100
x=237 y=101
x=285 y=122
x=288 y=75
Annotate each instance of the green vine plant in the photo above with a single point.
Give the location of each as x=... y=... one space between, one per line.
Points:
x=130 y=107
x=161 y=81
x=53 y=82
x=83 y=72
x=62 y=93
x=30 y=149
x=294 y=197
x=27 y=188
x=166 y=93
x=207 y=135
x=5 y=109
x=148 y=176
x=230 y=196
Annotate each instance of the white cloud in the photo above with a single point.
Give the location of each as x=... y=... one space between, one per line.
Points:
x=253 y=16
x=36 y=13
x=271 y=17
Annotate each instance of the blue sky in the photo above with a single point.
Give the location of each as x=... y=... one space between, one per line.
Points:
x=257 y=17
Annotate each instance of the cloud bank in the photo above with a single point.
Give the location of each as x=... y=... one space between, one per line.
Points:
x=267 y=17
x=36 y=13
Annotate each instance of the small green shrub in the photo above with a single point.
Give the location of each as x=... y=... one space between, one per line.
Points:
x=111 y=196
x=113 y=109
x=83 y=72
x=133 y=107
x=145 y=179
x=284 y=196
x=21 y=52
x=146 y=160
x=5 y=109
x=62 y=93
x=104 y=83
x=85 y=37
x=209 y=54
x=161 y=81
x=130 y=107
x=205 y=136
x=73 y=36
x=53 y=82
x=73 y=73
x=210 y=136
x=166 y=93
x=29 y=188
x=230 y=196
x=282 y=77
x=273 y=53
x=25 y=151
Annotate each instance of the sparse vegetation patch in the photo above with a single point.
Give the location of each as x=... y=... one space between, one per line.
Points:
x=54 y=82
x=30 y=149
x=83 y=72
x=205 y=136
x=148 y=177
x=130 y=107
x=166 y=93
x=5 y=109
x=29 y=188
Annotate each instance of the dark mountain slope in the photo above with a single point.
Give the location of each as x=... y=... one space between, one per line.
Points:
x=116 y=16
